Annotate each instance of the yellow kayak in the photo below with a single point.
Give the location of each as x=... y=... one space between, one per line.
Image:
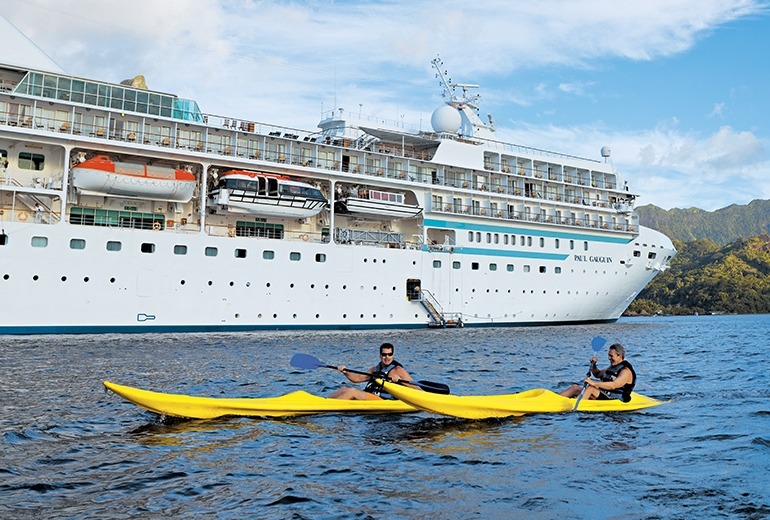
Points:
x=537 y=400
x=293 y=404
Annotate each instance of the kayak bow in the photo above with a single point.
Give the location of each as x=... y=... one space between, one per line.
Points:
x=537 y=400
x=288 y=405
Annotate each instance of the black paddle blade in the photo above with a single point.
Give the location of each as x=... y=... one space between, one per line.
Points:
x=306 y=361
x=429 y=386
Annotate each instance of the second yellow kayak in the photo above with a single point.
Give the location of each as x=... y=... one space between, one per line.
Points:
x=293 y=404
x=537 y=400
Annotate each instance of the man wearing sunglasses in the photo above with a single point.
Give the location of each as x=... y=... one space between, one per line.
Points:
x=388 y=368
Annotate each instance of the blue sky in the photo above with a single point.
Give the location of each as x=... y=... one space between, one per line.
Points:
x=677 y=89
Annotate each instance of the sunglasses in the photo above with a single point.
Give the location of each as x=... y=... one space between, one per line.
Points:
x=386 y=354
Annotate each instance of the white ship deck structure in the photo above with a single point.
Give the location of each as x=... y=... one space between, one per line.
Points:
x=130 y=210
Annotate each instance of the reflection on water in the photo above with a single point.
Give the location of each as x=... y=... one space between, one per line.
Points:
x=69 y=450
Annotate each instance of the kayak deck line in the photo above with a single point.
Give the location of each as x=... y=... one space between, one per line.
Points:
x=536 y=400
x=289 y=405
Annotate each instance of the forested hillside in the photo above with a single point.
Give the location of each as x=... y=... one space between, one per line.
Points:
x=708 y=278
x=722 y=226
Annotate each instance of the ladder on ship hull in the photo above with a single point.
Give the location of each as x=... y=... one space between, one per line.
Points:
x=438 y=318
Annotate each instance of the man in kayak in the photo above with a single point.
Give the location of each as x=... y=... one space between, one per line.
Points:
x=387 y=367
x=617 y=381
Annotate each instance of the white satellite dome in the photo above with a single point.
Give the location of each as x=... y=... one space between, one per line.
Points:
x=445 y=119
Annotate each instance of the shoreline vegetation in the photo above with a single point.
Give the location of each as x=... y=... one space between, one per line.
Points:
x=706 y=278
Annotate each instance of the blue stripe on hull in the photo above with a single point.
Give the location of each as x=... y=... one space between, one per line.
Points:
x=159 y=329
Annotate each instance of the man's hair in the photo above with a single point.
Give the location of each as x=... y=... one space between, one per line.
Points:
x=619 y=349
x=387 y=345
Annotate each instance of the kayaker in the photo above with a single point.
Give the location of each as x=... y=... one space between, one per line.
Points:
x=387 y=367
x=615 y=382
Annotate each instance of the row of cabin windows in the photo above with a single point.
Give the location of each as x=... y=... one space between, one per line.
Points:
x=149 y=247
x=475 y=266
x=475 y=236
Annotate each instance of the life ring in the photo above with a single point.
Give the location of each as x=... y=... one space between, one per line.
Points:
x=156 y=226
x=304 y=237
x=231 y=232
x=22 y=215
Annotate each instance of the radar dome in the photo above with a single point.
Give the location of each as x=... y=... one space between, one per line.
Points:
x=445 y=119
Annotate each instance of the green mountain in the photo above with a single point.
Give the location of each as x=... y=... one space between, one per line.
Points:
x=722 y=226
x=708 y=278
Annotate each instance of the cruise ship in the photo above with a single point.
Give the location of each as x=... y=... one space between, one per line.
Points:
x=125 y=209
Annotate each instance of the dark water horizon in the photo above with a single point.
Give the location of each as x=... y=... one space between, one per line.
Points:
x=71 y=450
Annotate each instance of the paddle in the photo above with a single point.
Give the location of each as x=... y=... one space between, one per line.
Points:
x=311 y=362
x=596 y=344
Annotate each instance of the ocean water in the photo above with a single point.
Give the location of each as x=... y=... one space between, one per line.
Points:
x=70 y=450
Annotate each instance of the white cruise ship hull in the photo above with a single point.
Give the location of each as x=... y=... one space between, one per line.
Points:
x=501 y=235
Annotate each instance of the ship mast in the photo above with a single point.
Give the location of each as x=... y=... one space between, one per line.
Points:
x=472 y=125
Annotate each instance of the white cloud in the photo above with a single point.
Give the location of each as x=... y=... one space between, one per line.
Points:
x=282 y=62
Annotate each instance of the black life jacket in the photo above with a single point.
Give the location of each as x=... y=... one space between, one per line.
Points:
x=381 y=371
x=611 y=374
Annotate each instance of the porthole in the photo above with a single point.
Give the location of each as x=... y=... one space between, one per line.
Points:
x=275 y=315
x=35 y=277
x=63 y=278
x=312 y=286
x=237 y=315
x=317 y=316
x=344 y=316
x=112 y=280
x=5 y=277
x=86 y=279
x=181 y=282
x=267 y=284
x=232 y=283
x=344 y=287
x=291 y=286
x=294 y=316
x=211 y=283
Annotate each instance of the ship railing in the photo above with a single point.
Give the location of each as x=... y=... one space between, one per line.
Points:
x=527 y=216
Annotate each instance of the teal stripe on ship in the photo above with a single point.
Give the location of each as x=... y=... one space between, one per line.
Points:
x=472 y=226
x=500 y=252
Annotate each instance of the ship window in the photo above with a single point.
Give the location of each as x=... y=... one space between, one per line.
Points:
x=513 y=240
x=526 y=268
x=542 y=242
x=505 y=239
x=529 y=241
x=268 y=255
x=437 y=264
x=258 y=229
x=39 y=242
x=509 y=267
x=556 y=243
x=211 y=251
x=114 y=246
x=3 y=239
x=294 y=256
x=320 y=257
x=572 y=244
x=77 y=243
x=180 y=250
x=637 y=253
x=240 y=253
x=455 y=265
x=474 y=266
x=651 y=255
x=31 y=161
x=489 y=238
x=557 y=270
x=470 y=236
x=478 y=236
x=542 y=269
x=585 y=246
x=147 y=247
x=493 y=267
x=497 y=238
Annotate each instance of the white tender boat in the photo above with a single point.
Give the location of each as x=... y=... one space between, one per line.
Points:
x=258 y=193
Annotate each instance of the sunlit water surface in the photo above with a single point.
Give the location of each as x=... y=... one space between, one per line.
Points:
x=70 y=450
